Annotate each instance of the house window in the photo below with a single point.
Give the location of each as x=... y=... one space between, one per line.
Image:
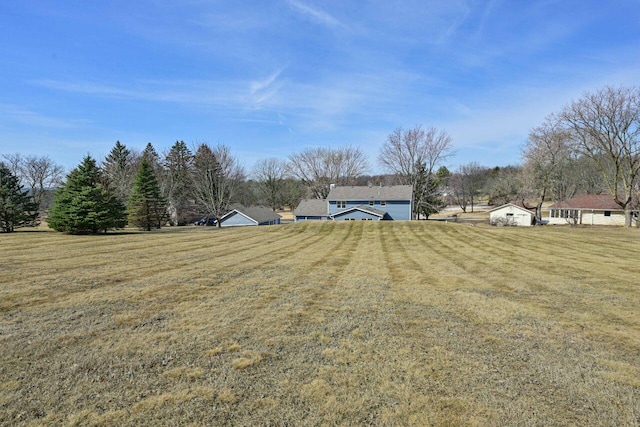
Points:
x=370 y=202
x=383 y=203
x=341 y=204
x=607 y=213
x=509 y=214
x=564 y=213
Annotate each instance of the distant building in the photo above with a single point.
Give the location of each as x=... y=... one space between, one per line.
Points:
x=312 y=210
x=512 y=214
x=590 y=209
x=366 y=203
x=249 y=215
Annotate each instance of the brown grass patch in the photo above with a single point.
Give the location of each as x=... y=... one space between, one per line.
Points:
x=249 y=358
x=388 y=323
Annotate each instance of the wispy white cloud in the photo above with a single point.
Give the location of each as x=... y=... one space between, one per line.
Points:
x=315 y=14
x=25 y=116
x=261 y=91
x=197 y=93
x=456 y=22
x=486 y=15
x=324 y=103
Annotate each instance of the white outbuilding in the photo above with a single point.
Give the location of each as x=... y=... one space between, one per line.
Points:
x=511 y=214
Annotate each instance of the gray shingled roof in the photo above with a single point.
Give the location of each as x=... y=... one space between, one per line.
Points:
x=391 y=192
x=258 y=213
x=312 y=207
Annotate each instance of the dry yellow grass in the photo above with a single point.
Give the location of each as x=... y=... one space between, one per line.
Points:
x=352 y=323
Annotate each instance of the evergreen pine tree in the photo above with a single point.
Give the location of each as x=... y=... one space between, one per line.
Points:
x=118 y=169
x=83 y=204
x=151 y=156
x=427 y=195
x=177 y=165
x=147 y=209
x=17 y=208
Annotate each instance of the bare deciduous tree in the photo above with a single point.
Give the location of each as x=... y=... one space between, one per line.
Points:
x=413 y=156
x=547 y=156
x=605 y=126
x=37 y=173
x=506 y=185
x=270 y=175
x=585 y=175
x=466 y=183
x=318 y=168
x=13 y=162
x=216 y=175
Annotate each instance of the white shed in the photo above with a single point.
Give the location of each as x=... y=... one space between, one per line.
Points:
x=511 y=214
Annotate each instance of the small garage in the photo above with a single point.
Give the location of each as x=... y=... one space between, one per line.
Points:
x=247 y=216
x=511 y=215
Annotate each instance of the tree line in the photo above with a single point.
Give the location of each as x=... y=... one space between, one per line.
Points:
x=589 y=147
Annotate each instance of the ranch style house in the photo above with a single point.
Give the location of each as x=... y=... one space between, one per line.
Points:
x=590 y=209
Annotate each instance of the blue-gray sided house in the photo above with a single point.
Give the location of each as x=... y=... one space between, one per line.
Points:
x=250 y=215
x=393 y=202
x=360 y=203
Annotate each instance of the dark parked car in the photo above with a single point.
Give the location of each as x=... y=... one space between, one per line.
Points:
x=206 y=221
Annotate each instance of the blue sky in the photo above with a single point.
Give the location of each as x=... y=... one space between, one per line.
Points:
x=271 y=77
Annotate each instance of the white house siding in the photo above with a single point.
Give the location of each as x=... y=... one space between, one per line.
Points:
x=598 y=218
x=591 y=217
x=511 y=215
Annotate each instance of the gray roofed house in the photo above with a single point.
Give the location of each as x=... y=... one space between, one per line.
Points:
x=366 y=203
x=249 y=215
x=391 y=192
x=312 y=209
x=393 y=202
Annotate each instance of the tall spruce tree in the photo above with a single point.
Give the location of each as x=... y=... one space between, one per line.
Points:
x=84 y=204
x=119 y=171
x=427 y=194
x=151 y=155
x=177 y=164
x=17 y=208
x=147 y=209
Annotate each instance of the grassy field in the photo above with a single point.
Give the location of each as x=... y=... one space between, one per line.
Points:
x=345 y=323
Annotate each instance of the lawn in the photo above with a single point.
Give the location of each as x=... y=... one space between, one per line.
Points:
x=335 y=323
